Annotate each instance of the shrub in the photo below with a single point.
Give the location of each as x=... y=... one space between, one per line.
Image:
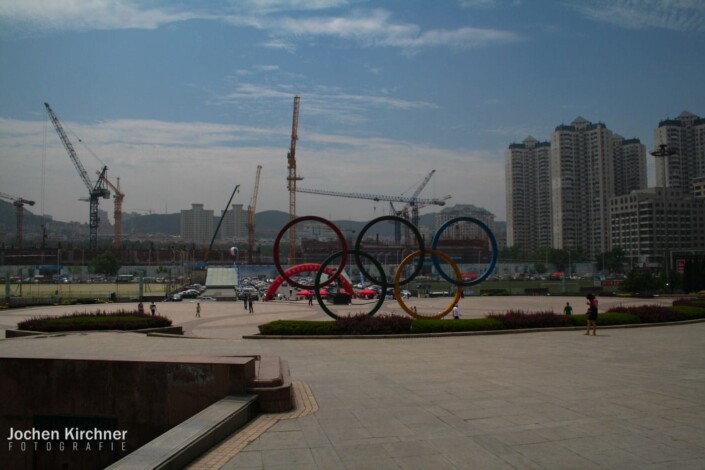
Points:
x=651 y=313
x=690 y=302
x=372 y=325
x=492 y=292
x=442 y=326
x=605 y=319
x=78 y=321
x=296 y=327
x=516 y=319
x=690 y=312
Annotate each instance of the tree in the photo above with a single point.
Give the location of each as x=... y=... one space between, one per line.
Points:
x=106 y=264
x=612 y=261
x=639 y=281
x=514 y=252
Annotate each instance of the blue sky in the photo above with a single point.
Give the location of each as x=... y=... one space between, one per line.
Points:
x=182 y=100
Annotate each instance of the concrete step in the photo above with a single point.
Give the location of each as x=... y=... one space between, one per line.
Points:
x=272 y=384
x=187 y=441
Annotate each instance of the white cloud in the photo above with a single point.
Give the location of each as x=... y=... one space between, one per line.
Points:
x=173 y=164
x=677 y=15
x=331 y=102
x=366 y=27
x=376 y=28
x=27 y=15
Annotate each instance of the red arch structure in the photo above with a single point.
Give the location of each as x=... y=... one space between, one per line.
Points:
x=303 y=268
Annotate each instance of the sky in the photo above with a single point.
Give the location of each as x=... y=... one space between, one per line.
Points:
x=182 y=100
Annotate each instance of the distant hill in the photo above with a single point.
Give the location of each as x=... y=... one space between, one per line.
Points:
x=267 y=223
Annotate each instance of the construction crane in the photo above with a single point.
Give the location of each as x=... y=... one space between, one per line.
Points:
x=19 y=203
x=413 y=205
x=118 y=196
x=291 y=180
x=414 y=198
x=251 y=218
x=96 y=190
x=378 y=197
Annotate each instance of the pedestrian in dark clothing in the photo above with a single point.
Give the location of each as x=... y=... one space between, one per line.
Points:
x=249 y=304
x=591 y=314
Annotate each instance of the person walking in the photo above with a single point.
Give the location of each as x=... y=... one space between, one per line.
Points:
x=153 y=308
x=249 y=304
x=591 y=314
x=140 y=308
x=198 y=309
x=245 y=301
x=310 y=299
x=567 y=310
x=456 y=312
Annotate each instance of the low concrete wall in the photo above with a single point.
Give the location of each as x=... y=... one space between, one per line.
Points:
x=142 y=398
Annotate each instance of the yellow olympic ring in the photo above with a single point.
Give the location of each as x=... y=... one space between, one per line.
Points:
x=397 y=290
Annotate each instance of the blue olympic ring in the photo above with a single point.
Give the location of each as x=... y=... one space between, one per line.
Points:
x=493 y=243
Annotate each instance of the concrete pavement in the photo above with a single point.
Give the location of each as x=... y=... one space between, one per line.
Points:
x=627 y=398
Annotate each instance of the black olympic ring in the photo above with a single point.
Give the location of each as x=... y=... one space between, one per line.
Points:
x=332 y=226
x=392 y=218
x=420 y=253
x=317 y=284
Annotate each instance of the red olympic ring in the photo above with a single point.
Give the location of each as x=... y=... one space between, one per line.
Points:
x=332 y=226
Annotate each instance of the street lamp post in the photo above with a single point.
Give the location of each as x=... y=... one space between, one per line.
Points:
x=662 y=153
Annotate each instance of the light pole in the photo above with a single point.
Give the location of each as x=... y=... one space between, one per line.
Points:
x=662 y=153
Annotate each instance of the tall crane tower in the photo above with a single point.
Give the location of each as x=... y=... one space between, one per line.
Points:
x=251 y=219
x=19 y=203
x=414 y=198
x=118 y=197
x=291 y=180
x=96 y=190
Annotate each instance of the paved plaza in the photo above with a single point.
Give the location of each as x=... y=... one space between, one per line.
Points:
x=627 y=398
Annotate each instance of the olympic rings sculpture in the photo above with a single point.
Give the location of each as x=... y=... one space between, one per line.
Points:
x=381 y=280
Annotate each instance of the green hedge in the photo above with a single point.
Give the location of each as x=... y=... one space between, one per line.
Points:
x=691 y=313
x=511 y=320
x=296 y=327
x=607 y=319
x=445 y=326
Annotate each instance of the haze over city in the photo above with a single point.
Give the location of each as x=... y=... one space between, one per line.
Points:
x=183 y=100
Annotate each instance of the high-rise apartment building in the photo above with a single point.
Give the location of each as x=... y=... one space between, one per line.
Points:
x=684 y=135
x=465 y=230
x=234 y=225
x=527 y=173
x=558 y=194
x=197 y=224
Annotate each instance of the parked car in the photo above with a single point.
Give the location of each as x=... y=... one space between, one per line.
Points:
x=190 y=294
x=248 y=291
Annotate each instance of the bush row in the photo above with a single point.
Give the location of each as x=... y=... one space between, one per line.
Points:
x=514 y=319
x=79 y=321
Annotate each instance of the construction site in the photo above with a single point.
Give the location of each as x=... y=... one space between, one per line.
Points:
x=209 y=259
